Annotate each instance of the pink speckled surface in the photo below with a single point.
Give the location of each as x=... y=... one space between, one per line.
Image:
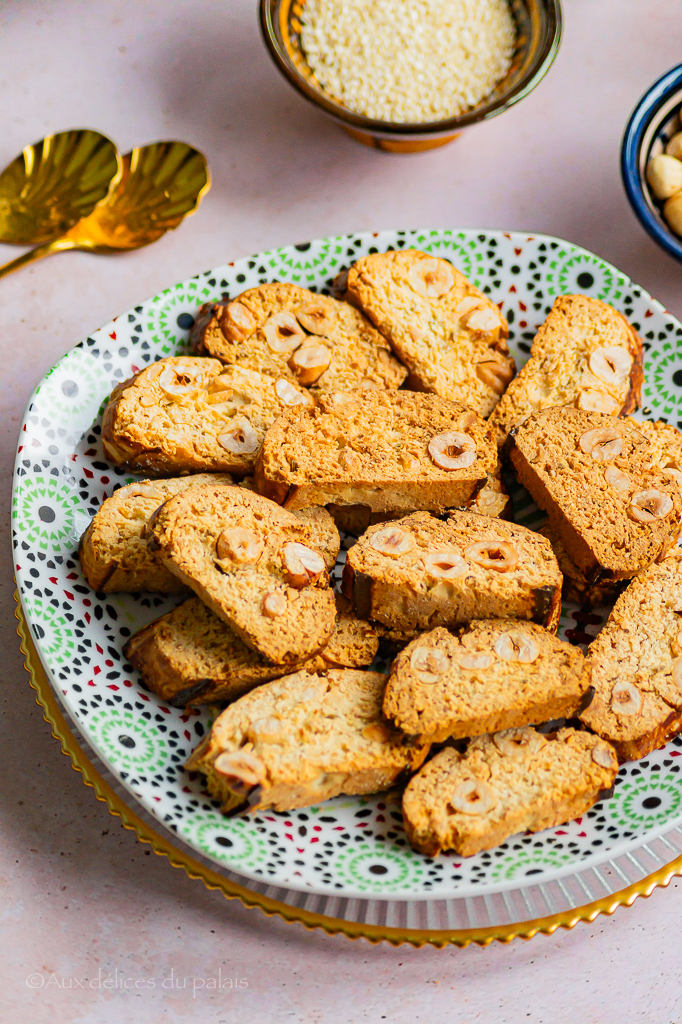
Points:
x=82 y=901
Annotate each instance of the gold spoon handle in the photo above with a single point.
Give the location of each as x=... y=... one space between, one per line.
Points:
x=58 y=245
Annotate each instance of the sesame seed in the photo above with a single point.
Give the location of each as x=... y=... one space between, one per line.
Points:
x=408 y=61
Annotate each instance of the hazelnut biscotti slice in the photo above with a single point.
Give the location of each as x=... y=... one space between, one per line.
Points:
x=637 y=659
x=448 y=334
x=188 y=415
x=304 y=739
x=190 y=656
x=287 y=331
x=251 y=562
x=113 y=550
x=420 y=572
x=495 y=675
x=612 y=509
x=388 y=450
x=513 y=781
x=585 y=354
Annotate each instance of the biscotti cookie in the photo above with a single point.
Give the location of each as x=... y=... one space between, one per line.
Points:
x=251 y=562
x=190 y=656
x=188 y=415
x=666 y=447
x=389 y=450
x=304 y=739
x=420 y=572
x=495 y=675
x=586 y=355
x=287 y=331
x=113 y=550
x=513 y=781
x=450 y=336
x=322 y=532
x=637 y=659
x=613 y=511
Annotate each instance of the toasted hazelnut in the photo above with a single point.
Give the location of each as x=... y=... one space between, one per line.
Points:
x=448 y=565
x=376 y=732
x=489 y=502
x=495 y=374
x=220 y=392
x=178 y=381
x=674 y=146
x=473 y=796
x=515 y=743
x=303 y=565
x=497 y=555
x=289 y=395
x=239 y=545
x=664 y=174
x=241 y=438
x=267 y=730
x=237 y=322
x=474 y=660
x=671 y=471
x=283 y=333
x=604 y=756
x=603 y=444
x=647 y=506
x=597 y=401
x=241 y=768
x=146 y=400
x=310 y=362
x=618 y=480
x=677 y=673
x=317 y=317
x=485 y=321
x=392 y=541
x=466 y=420
x=452 y=450
x=626 y=699
x=610 y=364
x=672 y=211
x=409 y=462
x=429 y=663
x=415 y=332
x=348 y=459
x=467 y=305
x=431 y=278
x=517 y=647
x=274 y=604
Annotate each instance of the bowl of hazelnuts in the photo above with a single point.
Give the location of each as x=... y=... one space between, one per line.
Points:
x=651 y=161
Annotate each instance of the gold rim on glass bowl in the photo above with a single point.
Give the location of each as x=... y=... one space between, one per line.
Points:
x=539 y=28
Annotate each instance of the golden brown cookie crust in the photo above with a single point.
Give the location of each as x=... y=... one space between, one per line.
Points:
x=389 y=451
x=451 y=337
x=242 y=331
x=189 y=415
x=510 y=782
x=589 y=471
x=420 y=572
x=496 y=674
x=304 y=739
x=241 y=554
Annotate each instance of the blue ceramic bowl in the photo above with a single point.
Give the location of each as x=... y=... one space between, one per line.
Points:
x=654 y=120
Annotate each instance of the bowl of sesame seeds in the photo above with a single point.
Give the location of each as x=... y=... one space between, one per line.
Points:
x=409 y=75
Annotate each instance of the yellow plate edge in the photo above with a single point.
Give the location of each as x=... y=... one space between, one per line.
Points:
x=163 y=847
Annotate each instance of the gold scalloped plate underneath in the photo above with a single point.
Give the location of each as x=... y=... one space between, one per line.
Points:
x=333 y=926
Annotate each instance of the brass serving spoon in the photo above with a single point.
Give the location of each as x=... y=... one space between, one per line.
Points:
x=54 y=183
x=160 y=185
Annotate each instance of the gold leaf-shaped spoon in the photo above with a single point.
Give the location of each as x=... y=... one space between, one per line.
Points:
x=55 y=183
x=161 y=184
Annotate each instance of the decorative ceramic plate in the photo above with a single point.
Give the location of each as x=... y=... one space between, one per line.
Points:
x=346 y=847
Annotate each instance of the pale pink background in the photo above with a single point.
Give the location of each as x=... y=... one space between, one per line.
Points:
x=78 y=892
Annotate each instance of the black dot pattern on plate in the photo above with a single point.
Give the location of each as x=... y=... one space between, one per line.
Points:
x=349 y=844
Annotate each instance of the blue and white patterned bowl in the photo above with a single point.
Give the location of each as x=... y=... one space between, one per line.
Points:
x=347 y=846
x=652 y=123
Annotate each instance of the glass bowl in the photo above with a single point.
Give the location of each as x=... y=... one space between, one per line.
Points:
x=538 y=25
x=653 y=121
